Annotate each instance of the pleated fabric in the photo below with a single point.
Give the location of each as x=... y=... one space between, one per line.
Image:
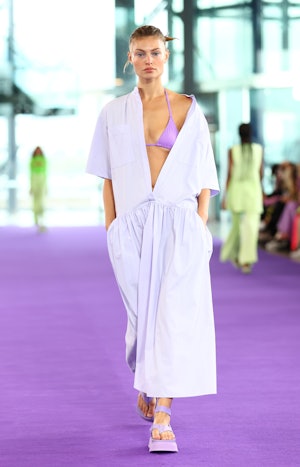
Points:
x=160 y=249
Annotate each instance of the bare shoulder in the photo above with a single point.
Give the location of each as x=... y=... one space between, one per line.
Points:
x=180 y=104
x=181 y=100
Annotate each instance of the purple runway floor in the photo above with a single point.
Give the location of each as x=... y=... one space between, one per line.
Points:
x=66 y=396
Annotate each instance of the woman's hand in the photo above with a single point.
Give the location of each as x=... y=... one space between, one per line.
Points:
x=203 y=203
x=109 y=203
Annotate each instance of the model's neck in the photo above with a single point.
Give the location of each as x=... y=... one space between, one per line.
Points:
x=150 y=91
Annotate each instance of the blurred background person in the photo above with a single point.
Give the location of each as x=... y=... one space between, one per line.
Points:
x=290 y=198
x=244 y=199
x=38 y=186
x=273 y=204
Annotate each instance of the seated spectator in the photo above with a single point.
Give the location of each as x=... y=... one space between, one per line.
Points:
x=295 y=241
x=291 y=199
x=273 y=206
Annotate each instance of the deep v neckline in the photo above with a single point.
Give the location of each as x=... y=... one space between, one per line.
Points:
x=169 y=157
x=160 y=172
x=149 y=175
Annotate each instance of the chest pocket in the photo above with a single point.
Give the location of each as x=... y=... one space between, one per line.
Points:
x=121 y=146
x=188 y=157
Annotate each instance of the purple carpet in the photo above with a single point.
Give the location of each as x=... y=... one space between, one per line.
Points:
x=66 y=396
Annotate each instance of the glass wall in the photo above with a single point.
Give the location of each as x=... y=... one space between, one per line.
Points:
x=245 y=67
x=62 y=63
x=240 y=59
x=216 y=35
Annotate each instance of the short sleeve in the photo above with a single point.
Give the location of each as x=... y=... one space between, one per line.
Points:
x=98 y=160
x=209 y=170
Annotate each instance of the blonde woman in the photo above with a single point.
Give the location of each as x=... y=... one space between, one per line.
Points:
x=152 y=147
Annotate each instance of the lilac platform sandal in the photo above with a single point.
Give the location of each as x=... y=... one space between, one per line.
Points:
x=162 y=445
x=147 y=400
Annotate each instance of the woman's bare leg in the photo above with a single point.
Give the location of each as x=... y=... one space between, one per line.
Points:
x=147 y=409
x=162 y=418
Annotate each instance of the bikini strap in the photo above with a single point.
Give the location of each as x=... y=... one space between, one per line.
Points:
x=168 y=102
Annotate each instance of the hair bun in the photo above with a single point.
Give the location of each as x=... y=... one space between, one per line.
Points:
x=168 y=38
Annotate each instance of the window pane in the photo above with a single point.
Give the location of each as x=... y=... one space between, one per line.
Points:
x=223 y=48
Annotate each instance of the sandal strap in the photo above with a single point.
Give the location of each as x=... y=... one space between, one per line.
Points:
x=145 y=398
x=160 y=428
x=161 y=408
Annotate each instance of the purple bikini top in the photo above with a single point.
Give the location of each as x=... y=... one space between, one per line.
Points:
x=170 y=133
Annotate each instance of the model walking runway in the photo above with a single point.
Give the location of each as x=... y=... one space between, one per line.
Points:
x=65 y=397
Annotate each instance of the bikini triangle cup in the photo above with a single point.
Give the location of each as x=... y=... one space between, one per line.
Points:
x=170 y=133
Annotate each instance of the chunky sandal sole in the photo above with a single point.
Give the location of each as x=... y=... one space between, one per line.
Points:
x=162 y=445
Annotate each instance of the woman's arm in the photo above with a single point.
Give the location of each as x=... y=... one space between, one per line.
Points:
x=261 y=170
x=203 y=204
x=109 y=203
x=228 y=178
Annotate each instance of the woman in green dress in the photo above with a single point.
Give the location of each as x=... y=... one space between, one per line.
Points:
x=244 y=199
x=38 y=185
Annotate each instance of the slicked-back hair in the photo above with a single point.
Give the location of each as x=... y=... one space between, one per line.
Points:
x=149 y=31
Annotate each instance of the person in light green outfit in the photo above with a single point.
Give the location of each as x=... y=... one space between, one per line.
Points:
x=38 y=186
x=244 y=199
